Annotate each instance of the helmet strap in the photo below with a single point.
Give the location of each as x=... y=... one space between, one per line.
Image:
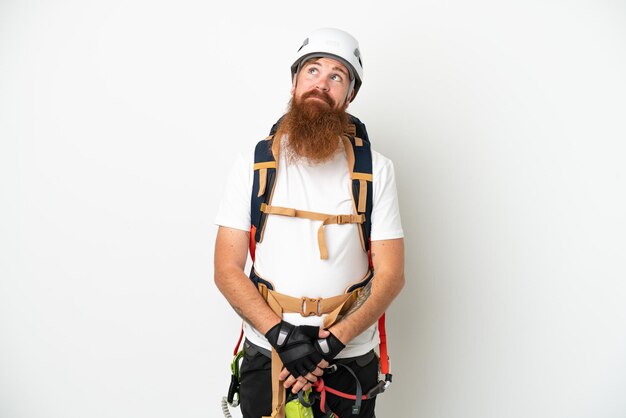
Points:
x=350 y=90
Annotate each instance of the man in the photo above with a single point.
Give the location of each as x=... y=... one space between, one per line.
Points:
x=306 y=257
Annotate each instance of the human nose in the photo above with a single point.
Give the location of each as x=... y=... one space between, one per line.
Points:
x=322 y=84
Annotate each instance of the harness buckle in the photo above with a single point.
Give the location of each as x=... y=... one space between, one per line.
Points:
x=310 y=306
x=380 y=387
x=344 y=219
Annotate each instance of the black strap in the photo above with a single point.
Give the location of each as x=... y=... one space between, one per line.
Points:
x=356 y=408
x=363 y=164
x=262 y=153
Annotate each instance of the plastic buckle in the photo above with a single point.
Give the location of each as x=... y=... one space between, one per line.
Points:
x=388 y=379
x=310 y=306
x=377 y=389
x=343 y=219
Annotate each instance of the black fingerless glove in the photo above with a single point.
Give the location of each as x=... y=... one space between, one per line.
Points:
x=329 y=347
x=294 y=345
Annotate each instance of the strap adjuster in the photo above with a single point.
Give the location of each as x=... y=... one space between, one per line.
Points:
x=344 y=219
x=310 y=306
x=351 y=219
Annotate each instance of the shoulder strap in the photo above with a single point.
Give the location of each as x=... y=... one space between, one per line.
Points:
x=360 y=165
x=362 y=177
x=265 y=166
x=357 y=129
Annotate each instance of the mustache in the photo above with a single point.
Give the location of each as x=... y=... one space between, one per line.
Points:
x=321 y=95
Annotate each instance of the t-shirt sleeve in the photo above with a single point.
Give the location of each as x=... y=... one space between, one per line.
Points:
x=234 y=208
x=386 y=222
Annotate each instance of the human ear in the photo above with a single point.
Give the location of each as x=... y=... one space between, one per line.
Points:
x=293 y=83
x=348 y=100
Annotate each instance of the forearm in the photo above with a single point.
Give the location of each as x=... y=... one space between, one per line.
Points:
x=378 y=294
x=230 y=257
x=246 y=300
x=377 y=297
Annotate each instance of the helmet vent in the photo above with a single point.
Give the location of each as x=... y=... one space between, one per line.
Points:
x=305 y=43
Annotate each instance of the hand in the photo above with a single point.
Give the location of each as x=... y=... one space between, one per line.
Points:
x=304 y=382
x=329 y=346
x=294 y=345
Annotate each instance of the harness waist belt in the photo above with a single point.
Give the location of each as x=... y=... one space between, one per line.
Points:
x=333 y=306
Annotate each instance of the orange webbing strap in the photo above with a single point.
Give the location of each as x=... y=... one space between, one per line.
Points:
x=331 y=307
x=267 y=167
x=262 y=167
x=335 y=219
x=360 y=206
x=351 y=129
x=252 y=246
x=236 y=350
x=363 y=178
x=347 y=146
x=278 y=391
x=276 y=146
x=315 y=216
x=384 y=357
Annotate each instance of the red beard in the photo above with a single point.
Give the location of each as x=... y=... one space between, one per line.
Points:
x=313 y=127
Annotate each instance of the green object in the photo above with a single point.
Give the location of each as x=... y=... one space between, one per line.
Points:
x=234 y=366
x=233 y=389
x=295 y=409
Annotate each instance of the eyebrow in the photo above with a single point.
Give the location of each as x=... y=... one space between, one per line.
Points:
x=339 y=69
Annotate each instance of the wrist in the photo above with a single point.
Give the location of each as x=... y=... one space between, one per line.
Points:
x=279 y=333
x=338 y=333
x=329 y=347
x=294 y=346
x=267 y=326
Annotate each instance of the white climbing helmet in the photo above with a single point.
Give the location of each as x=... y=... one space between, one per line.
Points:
x=336 y=44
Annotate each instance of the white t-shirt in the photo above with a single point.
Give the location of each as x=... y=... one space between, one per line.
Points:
x=288 y=257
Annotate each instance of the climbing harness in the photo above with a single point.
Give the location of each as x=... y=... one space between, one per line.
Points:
x=358 y=397
x=300 y=405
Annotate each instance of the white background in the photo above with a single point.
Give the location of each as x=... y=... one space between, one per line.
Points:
x=506 y=123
